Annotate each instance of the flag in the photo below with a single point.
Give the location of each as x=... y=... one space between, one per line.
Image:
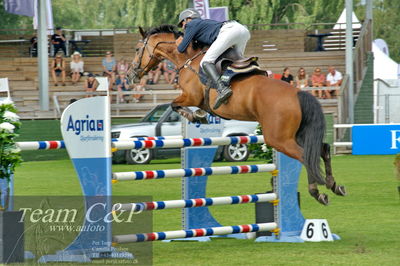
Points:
x=202 y=7
x=20 y=7
x=219 y=13
x=49 y=17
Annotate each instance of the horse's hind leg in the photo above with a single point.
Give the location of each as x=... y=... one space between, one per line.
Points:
x=330 y=180
x=292 y=149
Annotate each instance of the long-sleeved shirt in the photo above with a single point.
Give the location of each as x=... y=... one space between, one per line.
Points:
x=202 y=30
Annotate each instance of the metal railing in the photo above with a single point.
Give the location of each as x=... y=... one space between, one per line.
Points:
x=361 y=51
x=387 y=101
x=117 y=106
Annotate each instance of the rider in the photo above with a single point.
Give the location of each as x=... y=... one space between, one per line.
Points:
x=220 y=36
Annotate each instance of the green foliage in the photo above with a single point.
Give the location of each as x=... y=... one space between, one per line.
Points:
x=89 y=14
x=261 y=151
x=9 y=125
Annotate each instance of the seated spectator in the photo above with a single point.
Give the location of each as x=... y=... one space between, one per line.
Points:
x=122 y=85
x=286 y=76
x=139 y=87
x=58 y=68
x=154 y=75
x=76 y=67
x=109 y=68
x=122 y=66
x=301 y=79
x=333 y=79
x=33 y=48
x=317 y=80
x=91 y=84
x=58 y=40
x=169 y=71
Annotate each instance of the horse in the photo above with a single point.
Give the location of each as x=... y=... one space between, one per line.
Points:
x=292 y=120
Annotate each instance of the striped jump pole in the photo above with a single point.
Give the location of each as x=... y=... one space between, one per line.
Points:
x=41 y=145
x=186 y=142
x=148 y=138
x=192 y=203
x=59 y=144
x=188 y=172
x=148 y=142
x=222 y=230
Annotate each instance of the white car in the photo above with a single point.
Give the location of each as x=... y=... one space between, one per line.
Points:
x=162 y=121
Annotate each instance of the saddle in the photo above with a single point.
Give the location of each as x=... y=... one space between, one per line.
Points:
x=231 y=64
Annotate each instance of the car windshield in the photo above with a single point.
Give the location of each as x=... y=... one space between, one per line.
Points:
x=155 y=114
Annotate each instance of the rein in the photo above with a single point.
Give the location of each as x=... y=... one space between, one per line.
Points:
x=188 y=63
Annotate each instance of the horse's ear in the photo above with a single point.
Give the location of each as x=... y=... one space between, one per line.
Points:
x=142 y=32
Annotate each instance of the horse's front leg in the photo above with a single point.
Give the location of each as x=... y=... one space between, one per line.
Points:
x=196 y=116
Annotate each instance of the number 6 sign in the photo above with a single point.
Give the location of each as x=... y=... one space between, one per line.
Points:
x=316 y=230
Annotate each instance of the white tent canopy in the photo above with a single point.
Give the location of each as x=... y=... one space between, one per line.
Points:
x=384 y=66
x=341 y=22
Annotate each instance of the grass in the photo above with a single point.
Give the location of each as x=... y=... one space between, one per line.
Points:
x=368 y=219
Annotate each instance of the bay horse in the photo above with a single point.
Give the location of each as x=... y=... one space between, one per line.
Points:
x=292 y=121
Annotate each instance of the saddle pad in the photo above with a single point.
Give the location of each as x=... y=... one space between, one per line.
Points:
x=227 y=76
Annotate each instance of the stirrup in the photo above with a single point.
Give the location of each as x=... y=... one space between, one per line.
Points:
x=222 y=99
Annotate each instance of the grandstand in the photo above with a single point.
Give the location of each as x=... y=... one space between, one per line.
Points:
x=276 y=49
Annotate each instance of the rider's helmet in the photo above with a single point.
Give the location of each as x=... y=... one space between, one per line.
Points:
x=188 y=13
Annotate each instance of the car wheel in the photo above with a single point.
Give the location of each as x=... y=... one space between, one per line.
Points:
x=138 y=156
x=236 y=152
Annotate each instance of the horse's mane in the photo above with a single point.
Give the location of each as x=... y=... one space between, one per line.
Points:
x=165 y=28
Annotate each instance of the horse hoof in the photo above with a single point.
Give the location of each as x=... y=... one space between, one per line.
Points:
x=323 y=199
x=340 y=191
x=200 y=116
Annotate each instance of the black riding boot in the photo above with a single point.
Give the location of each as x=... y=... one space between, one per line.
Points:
x=224 y=92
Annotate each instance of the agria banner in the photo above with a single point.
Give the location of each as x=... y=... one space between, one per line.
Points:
x=85 y=127
x=376 y=139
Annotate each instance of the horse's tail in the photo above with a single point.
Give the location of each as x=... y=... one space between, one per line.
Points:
x=311 y=134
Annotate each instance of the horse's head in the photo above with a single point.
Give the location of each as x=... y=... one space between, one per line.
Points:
x=149 y=50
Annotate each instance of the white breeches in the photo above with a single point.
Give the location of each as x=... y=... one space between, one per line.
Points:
x=232 y=34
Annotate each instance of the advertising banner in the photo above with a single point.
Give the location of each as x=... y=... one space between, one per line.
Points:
x=376 y=139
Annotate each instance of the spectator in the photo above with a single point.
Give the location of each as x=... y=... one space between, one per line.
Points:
x=33 y=48
x=91 y=84
x=109 y=68
x=122 y=66
x=286 y=76
x=57 y=69
x=317 y=81
x=122 y=85
x=76 y=67
x=169 y=71
x=301 y=78
x=154 y=75
x=139 y=87
x=333 y=79
x=58 y=40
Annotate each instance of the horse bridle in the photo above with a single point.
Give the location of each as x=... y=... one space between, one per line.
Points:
x=136 y=69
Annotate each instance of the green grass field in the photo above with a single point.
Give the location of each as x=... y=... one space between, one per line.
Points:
x=368 y=219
